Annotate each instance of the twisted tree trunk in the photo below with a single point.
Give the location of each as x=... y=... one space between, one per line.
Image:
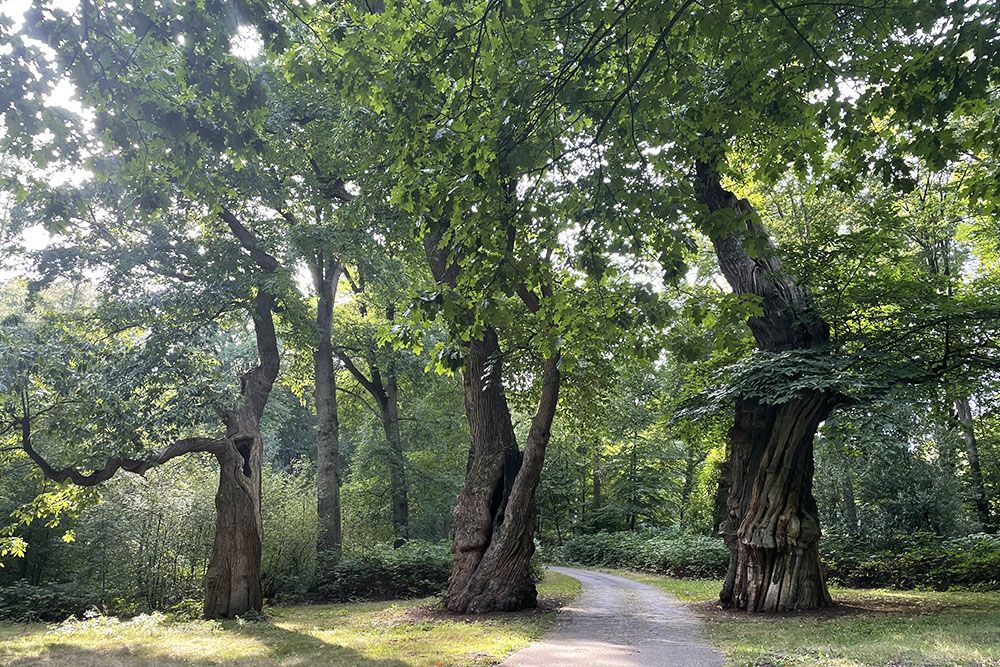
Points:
x=232 y=582
x=495 y=515
x=771 y=525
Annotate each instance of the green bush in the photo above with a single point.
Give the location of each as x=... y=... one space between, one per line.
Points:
x=920 y=560
x=414 y=570
x=666 y=551
x=55 y=602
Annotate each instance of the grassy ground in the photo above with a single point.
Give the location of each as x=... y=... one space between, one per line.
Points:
x=867 y=628
x=384 y=634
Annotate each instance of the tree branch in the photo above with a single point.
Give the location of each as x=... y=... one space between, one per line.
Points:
x=261 y=257
x=116 y=463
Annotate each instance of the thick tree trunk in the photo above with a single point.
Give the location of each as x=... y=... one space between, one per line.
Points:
x=232 y=583
x=772 y=524
x=398 y=490
x=326 y=275
x=963 y=413
x=495 y=514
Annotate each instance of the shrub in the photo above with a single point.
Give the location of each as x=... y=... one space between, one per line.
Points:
x=920 y=560
x=414 y=570
x=54 y=602
x=665 y=551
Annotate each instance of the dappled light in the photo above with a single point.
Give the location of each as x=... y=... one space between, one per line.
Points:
x=499 y=332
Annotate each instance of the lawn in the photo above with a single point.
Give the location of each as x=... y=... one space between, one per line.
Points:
x=867 y=628
x=383 y=634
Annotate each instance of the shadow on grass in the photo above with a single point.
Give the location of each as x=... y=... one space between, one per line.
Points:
x=283 y=647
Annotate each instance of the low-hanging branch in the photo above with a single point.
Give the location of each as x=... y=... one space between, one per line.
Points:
x=115 y=463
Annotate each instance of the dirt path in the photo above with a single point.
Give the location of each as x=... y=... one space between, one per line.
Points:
x=617 y=622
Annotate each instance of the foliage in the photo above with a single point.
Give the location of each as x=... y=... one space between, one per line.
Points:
x=22 y=602
x=414 y=570
x=670 y=552
x=916 y=560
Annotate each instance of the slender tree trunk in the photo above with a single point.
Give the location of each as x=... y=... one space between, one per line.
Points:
x=772 y=524
x=633 y=481
x=495 y=515
x=398 y=489
x=963 y=413
x=690 y=466
x=597 y=479
x=326 y=275
x=850 y=504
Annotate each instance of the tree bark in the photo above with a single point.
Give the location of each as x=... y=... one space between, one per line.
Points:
x=232 y=582
x=326 y=273
x=597 y=477
x=963 y=413
x=850 y=504
x=398 y=490
x=772 y=524
x=495 y=515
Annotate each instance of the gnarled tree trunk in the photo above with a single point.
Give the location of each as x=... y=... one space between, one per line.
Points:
x=771 y=525
x=232 y=582
x=495 y=515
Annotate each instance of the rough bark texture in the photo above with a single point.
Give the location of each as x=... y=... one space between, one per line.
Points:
x=963 y=413
x=771 y=525
x=495 y=513
x=232 y=583
x=326 y=274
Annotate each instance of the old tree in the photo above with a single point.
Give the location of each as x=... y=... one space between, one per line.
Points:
x=535 y=180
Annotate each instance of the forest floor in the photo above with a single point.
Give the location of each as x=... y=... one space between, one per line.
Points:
x=866 y=628
x=412 y=633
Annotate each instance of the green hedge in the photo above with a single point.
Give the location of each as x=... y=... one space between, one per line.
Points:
x=416 y=569
x=920 y=560
x=670 y=552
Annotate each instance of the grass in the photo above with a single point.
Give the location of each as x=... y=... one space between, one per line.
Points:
x=409 y=633
x=868 y=628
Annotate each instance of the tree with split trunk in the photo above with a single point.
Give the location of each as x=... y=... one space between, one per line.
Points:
x=495 y=512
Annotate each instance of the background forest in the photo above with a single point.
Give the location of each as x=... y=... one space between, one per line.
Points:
x=357 y=238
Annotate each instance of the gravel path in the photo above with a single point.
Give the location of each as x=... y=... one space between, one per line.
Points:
x=617 y=622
